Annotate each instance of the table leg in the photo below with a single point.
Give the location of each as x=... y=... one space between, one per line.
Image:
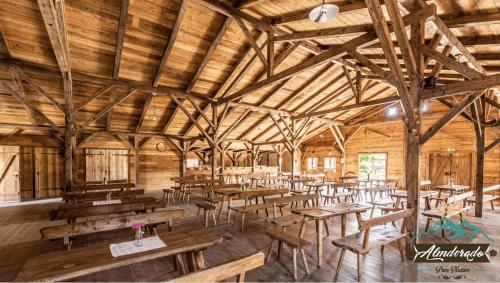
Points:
x=229 y=210
x=427 y=203
x=358 y=218
x=319 y=239
x=439 y=195
x=343 y=221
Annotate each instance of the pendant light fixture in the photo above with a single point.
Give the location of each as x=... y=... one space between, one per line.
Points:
x=323 y=13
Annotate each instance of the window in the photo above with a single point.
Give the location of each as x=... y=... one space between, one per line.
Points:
x=312 y=163
x=373 y=166
x=192 y=163
x=330 y=164
x=393 y=111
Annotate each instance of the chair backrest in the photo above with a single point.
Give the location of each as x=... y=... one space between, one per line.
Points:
x=460 y=197
x=224 y=271
x=366 y=225
x=89 y=227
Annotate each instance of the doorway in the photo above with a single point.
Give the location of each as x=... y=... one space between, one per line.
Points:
x=106 y=164
x=457 y=165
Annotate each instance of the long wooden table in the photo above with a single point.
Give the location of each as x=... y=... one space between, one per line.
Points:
x=64 y=265
x=321 y=213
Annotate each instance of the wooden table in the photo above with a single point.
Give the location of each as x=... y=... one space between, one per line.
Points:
x=423 y=194
x=321 y=213
x=227 y=195
x=64 y=265
x=452 y=189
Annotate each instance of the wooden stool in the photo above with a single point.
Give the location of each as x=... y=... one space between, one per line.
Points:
x=169 y=193
x=207 y=209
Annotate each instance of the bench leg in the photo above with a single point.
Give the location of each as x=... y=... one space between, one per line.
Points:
x=428 y=224
x=360 y=266
x=205 y=213
x=213 y=216
x=200 y=261
x=240 y=277
x=339 y=265
x=180 y=263
x=382 y=249
x=492 y=207
x=294 y=254
x=270 y=251
x=280 y=246
x=401 y=248
x=326 y=227
x=373 y=210
x=242 y=221
x=304 y=260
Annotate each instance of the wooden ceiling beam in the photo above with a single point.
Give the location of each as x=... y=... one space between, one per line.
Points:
x=89 y=99
x=144 y=111
x=171 y=40
x=461 y=87
x=385 y=39
x=4 y=51
x=452 y=64
x=492 y=102
x=53 y=18
x=250 y=38
x=122 y=24
x=492 y=145
x=105 y=110
x=209 y=54
x=449 y=116
x=18 y=83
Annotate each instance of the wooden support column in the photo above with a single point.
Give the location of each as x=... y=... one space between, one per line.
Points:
x=70 y=139
x=479 y=129
x=214 y=138
x=184 y=146
x=254 y=158
x=137 y=161
x=292 y=152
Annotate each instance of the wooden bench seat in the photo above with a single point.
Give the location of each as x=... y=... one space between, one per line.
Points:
x=371 y=238
x=207 y=210
x=289 y=239
x=68 y=231
x=286 y=221
x=455 y=205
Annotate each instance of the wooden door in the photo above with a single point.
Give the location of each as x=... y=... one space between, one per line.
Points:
x=461 y=168
x=27 y=173
x=117 y=164
x=95 y=164
x=9 y=173
x=49 y=173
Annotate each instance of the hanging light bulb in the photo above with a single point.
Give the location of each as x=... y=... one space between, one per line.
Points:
x=154 y=117
x=323 y=13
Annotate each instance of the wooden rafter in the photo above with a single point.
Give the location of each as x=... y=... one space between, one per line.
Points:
x=34 y=119
x=105 y=110
x=250 y=38
x=461 y=87
x=492 y=145
x=120 y=37
x=171 y=41
x=89 y=99
x=144 y=111
x=4 y=51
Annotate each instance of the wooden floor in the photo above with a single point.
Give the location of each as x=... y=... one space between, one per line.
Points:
x=19 y=231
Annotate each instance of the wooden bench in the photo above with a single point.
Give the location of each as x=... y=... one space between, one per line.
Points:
x=226 y=270
x=118 y=181
x=168 y=194
x=103 y=187
x=87 y=210
x=277 y=202
x=247 y=196
x=453 y=207
x=487 y=197
x=68 y=231
x=368 y=239
x=92 y=196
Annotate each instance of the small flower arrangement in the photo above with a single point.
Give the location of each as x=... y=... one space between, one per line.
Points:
x=139 y=231
x=108 y=195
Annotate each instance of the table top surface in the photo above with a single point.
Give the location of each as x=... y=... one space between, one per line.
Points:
x=63 y=265
x=404 y=194
x=319 y=212
x=452 y=188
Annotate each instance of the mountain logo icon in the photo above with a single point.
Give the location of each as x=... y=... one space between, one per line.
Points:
x=458 y=231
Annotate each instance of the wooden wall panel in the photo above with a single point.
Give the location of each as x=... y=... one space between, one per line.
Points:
x=9 y=173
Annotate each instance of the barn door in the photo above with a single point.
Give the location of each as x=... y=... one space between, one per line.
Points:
x=106 y=164
x=95 y=164
x=48 y=177
x=9 y=173
x=461 y=168
x=117 y=164
x=27 y=173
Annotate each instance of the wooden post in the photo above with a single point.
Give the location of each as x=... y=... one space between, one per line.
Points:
x=137 y=161
x=183 y=158
x=292 y=168
x=222 y=165
x=214 y=138
x=479 y=129
x=254 y=158
x=70 y=139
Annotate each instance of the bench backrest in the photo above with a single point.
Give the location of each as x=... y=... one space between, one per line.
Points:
x=366 y=225
x=491 y=188
x=290 y=199
x=119 y=181
x=460 y=197
x=89 y=227
x=103 y=187
x=262 y=193
x=425 y=183
x=224 y=271
x=212 y=187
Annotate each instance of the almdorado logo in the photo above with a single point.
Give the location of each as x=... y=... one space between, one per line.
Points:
x=459 y=252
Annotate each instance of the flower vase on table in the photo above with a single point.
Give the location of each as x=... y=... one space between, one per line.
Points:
x=139 y=231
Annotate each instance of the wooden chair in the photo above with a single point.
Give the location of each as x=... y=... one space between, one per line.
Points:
x=237 y=268
x=371 y=238
x=453 y=202
x=487 y=197
x=69 y=231
x=296 y=243
x=207 y=210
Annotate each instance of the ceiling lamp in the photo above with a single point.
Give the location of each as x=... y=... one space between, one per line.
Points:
x=323 y=13
x=154 y=117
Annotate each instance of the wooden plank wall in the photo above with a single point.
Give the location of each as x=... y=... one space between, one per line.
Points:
x=390 y=138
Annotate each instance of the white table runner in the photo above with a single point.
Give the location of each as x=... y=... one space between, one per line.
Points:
x=104 y=202
x=127 y=248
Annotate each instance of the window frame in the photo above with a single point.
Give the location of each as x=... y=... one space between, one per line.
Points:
x=334 y=164
x=386 y=165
